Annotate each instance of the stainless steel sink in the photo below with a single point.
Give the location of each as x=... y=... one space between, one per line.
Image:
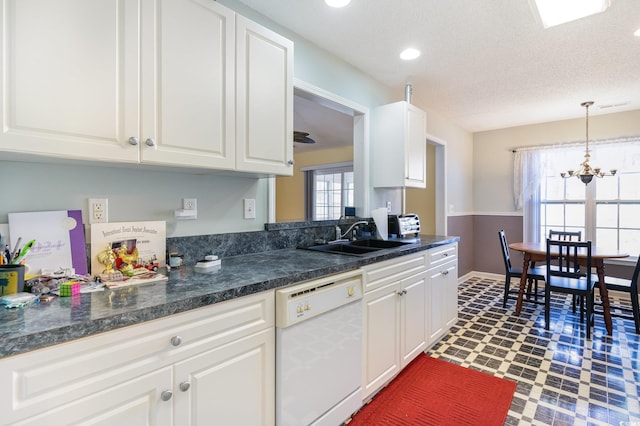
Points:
x=382 y=244
x=358 y=247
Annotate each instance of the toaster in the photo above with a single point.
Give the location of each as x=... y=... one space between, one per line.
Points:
x=404 y=225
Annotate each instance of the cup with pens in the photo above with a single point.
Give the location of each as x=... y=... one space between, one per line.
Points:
x=12 y=268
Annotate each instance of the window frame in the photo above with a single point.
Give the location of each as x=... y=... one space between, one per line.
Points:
x=535 y=201
x=310 y=192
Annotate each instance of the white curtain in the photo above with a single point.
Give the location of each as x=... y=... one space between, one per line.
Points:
x=527 y=171
x=531 y=164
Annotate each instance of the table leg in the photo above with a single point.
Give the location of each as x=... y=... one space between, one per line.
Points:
x=604 y=296
x=523 y=281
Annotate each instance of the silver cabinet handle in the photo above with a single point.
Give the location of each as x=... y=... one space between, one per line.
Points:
x=150 y=142
x=402 y=292
x=291 y=162
x=166 y=395
x=176 y=340
x=133 y=140
x=184 y=386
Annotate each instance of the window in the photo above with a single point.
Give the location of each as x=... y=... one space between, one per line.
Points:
x=607 y=210
x=329 y=189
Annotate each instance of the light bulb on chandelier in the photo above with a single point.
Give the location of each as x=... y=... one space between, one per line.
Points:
x=585 y=172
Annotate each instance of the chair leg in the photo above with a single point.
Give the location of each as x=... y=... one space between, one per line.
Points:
x=589 y=313
x=581 y=307
x=547 y=307
x=507 y=284
x=636 y=311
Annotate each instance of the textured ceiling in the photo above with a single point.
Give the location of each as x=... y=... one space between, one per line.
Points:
x=485 y=64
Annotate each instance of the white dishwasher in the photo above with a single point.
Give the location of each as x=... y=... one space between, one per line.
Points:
x=319 y=351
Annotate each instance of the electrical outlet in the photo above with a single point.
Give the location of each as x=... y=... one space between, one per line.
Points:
x=249 y=208
x=98 y=210
x=189 y=204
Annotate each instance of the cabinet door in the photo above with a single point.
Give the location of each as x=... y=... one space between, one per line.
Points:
x=381 y=336
x=138 y=401
x=451 y=295
x=414 y=320
x=398 y=145
x=437 y=287
x=416 y=148
x=70 y=73
x=188 y=77
x=443 y=299
x=230 y=385
x=264 y=112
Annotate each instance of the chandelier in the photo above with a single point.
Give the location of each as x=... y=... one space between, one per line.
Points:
x=585 y=172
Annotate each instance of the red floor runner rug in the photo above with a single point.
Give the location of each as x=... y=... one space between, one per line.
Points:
x=430 y=391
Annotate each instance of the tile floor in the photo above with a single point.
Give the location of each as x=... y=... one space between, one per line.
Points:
x=562 y=378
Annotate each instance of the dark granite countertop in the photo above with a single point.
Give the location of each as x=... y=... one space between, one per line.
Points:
x=69 y=318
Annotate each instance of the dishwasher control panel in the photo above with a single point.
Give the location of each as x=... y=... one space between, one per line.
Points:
x=304 y=301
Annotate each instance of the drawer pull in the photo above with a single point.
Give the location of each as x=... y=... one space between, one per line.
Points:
x=184 y=386
x=166 y=395
x=176 y=340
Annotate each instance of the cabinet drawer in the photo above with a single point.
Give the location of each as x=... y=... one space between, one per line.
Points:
x=380 y=274
x=43 y=379
x=438 y=255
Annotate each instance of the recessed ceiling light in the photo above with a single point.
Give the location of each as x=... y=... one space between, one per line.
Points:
x=409 y=54
x=337 y=3
x=637 y=33
x=556 y=12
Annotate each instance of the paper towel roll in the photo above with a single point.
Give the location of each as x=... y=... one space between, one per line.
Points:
x=382 y=222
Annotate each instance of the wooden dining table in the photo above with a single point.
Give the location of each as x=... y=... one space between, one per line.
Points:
x=537 y=252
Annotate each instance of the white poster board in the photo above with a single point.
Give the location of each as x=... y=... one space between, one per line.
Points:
x=59 y=239
x=148 y=238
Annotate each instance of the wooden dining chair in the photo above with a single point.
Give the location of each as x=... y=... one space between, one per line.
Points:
x=565 y=275
x=533 y=275
x=626 y=286
x=569 y=236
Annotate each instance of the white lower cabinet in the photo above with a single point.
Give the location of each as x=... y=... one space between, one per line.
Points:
x=213 y=365
x=395 y=319
x=442 y=290
x=409 y=303
x=231 y=385
x=132 y=402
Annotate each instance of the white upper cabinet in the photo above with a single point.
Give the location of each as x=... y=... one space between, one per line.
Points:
x=188 y=77
x=398 y=146
x=264 y=97
x=146 y=81
x=70 y=72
